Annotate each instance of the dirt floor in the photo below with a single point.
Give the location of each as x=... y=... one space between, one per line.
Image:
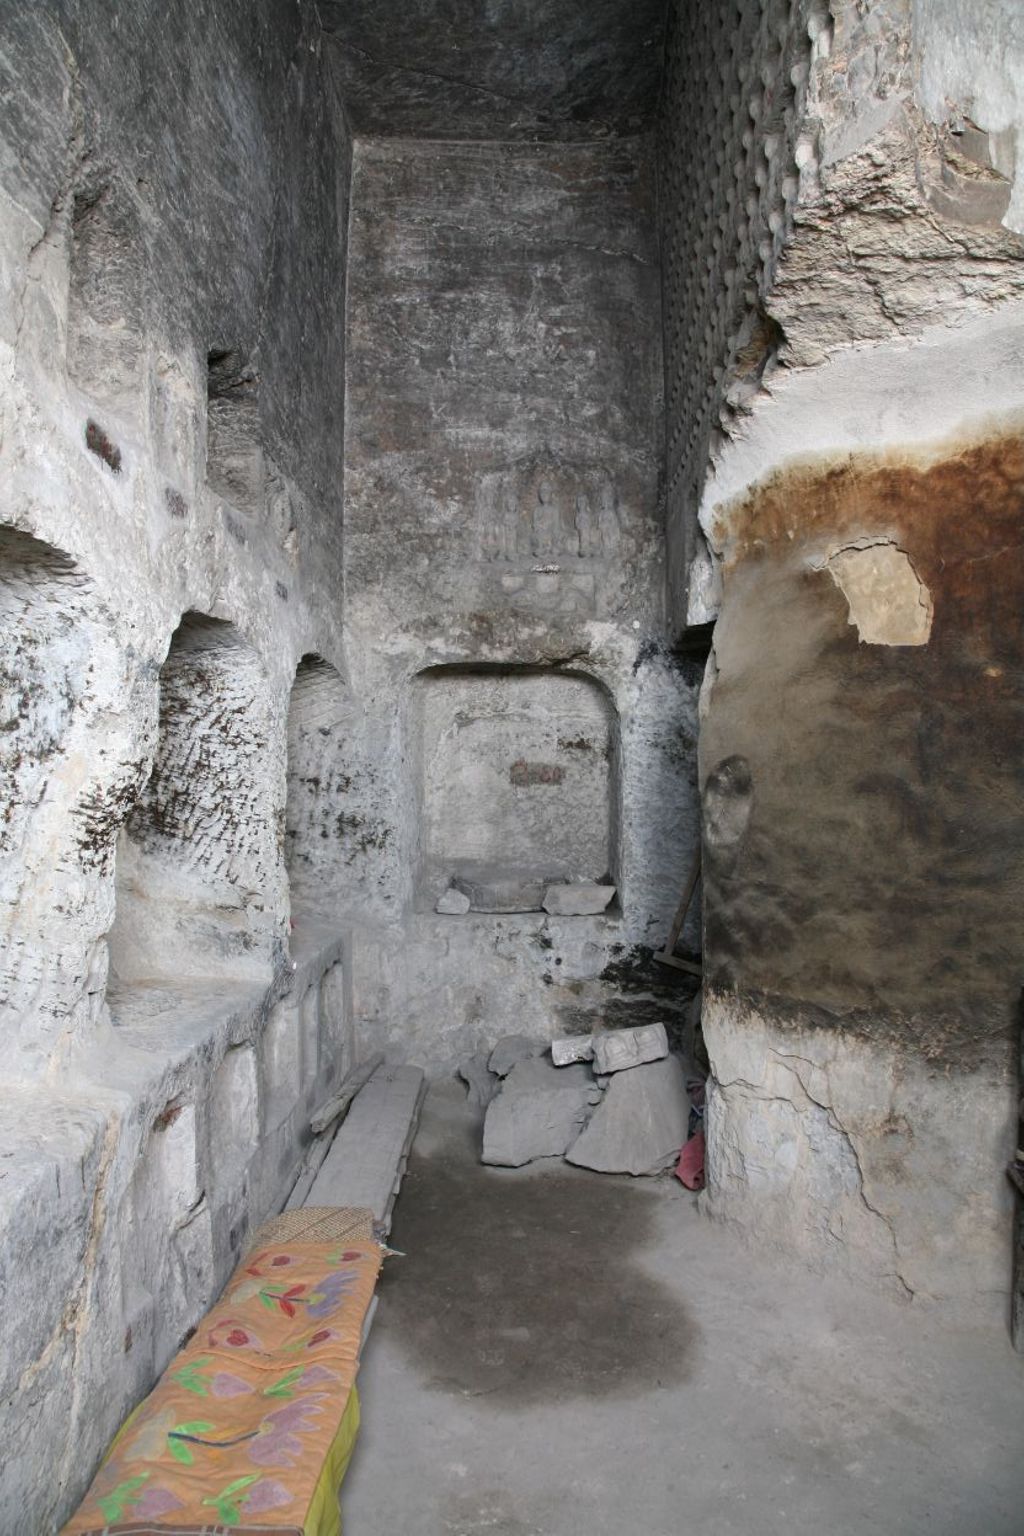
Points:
x=566 y=1354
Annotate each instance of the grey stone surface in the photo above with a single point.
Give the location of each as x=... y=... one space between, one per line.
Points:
x=538 y=1113
x=504 y=642
x=581 y=898
x=453 y=902
x=805 y=1368
x=539 y=69
x=572 y=1048
x=332 y=538
x=364 y=1167
x=481 y=1082
x=640 y=1124
x=618 y=1049
x=510 y=1050
x=174 y=183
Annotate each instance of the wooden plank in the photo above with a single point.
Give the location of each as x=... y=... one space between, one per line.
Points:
x=681 y=965
x=684 y=905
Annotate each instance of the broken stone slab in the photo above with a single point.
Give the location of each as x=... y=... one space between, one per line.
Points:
x=453 y=902
x=511 y=1049
x=512 y=891
x=618 y=1049
x=368 y=1156
x=479 y=1079
x=571 y=1049
x=581 y=898
x=640 y=1124
x=538 y=1113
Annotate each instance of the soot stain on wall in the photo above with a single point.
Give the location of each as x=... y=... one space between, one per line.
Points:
x=873 y=875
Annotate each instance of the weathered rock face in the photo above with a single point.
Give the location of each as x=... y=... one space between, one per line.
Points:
x=174 y=184
x=522 y=721
x=867 y=855
x=863 y=862
x=864 y=510
x=541 y=69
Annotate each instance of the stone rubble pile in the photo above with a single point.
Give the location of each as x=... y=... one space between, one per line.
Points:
x=615 y=1101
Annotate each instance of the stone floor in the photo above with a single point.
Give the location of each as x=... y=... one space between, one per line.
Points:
x=563 y=1353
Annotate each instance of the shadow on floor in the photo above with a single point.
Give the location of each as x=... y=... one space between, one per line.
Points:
x=524 y=1286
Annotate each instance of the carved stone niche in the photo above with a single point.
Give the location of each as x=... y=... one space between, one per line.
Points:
x=518 y=771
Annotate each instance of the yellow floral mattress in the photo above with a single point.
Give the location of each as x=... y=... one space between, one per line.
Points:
x=251 y=1427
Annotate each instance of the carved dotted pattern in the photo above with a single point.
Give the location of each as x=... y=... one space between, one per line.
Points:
x=733 y=101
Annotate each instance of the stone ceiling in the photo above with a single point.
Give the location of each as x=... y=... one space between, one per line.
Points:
x=497 y=69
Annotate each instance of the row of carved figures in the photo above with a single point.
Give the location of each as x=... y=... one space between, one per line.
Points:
x=546 y=528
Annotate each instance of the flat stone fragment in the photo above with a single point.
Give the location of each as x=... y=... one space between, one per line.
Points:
x=367 y=1158
x=453 y=903
x=479 y=1079
x=572 y=1048
x=538 y=1113
x=640 y=1124
x=511 y=1049
x=582 y=898
x=617 y=1049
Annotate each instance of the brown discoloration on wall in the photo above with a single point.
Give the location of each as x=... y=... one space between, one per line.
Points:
x=523 y=774
x=877 y=881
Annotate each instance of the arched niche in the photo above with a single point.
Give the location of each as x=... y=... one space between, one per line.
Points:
x=196 y=856
x=318 y=782
x=518 y=783
x=44 y=673
x=46 y=622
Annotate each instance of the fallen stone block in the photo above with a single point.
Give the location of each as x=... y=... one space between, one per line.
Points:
x=617 y=1049
x=581 y=898
x=640 y=1124
x=479 y=1079
x=511 y=1049
x=572 y=1048
x=453 y=902
x=538 y=1113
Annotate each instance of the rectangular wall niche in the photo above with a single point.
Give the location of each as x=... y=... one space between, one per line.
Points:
x=517 y=784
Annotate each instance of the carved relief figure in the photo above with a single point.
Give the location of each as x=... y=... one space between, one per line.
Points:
x=529 y=511
x=588 y=534
x=508 y=524
x=546 y=522
x=607 y=518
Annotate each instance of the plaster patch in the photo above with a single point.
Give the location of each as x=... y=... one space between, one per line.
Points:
x=889 y=603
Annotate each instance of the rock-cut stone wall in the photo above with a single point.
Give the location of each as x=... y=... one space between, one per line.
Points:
x=173 y=223
x=861 y=730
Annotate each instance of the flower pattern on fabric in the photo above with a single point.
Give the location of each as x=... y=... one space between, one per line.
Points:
x=156 y=1501
x=326 y=1297
x=233 y=1333
x=278 y=1443
x=267 y=1494
x=241 y=1424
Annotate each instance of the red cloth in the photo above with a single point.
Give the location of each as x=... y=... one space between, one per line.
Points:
x=690 y=1168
